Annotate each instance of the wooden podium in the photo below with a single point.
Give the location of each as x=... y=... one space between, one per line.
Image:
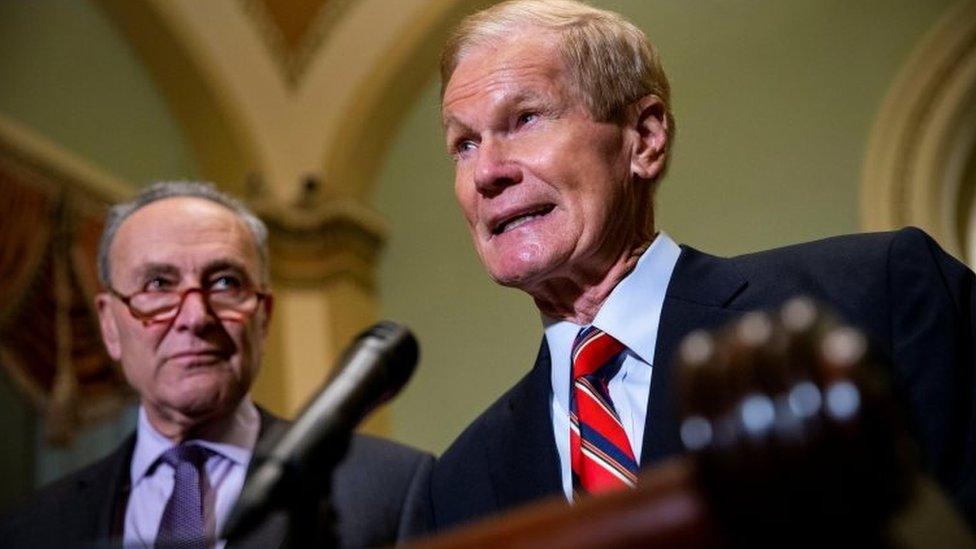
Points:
x=665 y=511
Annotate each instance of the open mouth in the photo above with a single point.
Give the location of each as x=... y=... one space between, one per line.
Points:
x=517 y=220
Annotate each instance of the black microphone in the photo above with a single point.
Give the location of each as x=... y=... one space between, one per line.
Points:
x=370 y=371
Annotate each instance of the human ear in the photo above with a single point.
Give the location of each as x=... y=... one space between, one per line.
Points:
x=650 y=122
x=268 y=305
x=108 y=326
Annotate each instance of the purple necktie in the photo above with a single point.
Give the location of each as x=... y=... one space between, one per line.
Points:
x=182 y=523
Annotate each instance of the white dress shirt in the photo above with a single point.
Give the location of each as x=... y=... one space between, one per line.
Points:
x=152 y=480
x=630 y=314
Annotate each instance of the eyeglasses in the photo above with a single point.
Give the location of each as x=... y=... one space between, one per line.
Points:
x=234 y=304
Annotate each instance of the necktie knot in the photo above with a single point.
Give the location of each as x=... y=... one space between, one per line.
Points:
x=593 y=353
x=192 y=454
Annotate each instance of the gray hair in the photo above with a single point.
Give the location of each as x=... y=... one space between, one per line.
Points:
x=118 y=213
x=610 y=61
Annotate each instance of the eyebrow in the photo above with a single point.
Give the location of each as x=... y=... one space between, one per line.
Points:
x=522 y=98
x=451 y=122
x=153 y=269
x=221 y=264
x=226 y=265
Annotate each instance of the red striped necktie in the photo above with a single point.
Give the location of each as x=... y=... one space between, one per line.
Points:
x=602 y=458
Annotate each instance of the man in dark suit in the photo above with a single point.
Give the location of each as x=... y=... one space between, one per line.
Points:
x=558 y=118
x=185 y=311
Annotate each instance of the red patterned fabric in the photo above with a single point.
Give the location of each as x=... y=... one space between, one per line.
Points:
x=50 y=345
x=601 y=455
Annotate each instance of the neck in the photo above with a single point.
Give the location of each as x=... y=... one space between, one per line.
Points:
x=179 y=428
x=579 y=296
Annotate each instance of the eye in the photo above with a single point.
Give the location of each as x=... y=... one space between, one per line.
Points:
x=226 y=283
x=527 y=118
x=464 y=146
x=158 y=284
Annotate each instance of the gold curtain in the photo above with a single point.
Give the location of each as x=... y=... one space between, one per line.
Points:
x=49 y=338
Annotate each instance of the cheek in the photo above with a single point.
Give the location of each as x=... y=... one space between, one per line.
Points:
x=135 y=375
x=248 y=339
x=139 y=344
x=465 y=195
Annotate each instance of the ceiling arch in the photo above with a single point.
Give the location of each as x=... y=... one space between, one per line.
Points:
x=245 y=110
x=918 y=166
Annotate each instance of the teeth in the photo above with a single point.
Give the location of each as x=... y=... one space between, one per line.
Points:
x=518 y=221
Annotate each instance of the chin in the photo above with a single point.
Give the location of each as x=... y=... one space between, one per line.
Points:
x=521 y=279
x=205 y=399
x=523 y=265
x=521 y=272
x=200 y=405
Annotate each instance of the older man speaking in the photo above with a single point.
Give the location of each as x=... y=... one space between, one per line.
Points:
x=558 y=118
x=185 y=310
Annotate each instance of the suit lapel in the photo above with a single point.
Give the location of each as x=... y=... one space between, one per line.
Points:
x=97 y=505
x=524 y=463
x=272 y=532
x=699 y=294
x=269 y=431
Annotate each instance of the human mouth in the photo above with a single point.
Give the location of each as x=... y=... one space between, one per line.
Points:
x=513 y=221
x=195 y=358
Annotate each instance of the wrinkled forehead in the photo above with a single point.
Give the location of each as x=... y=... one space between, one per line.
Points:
x=185 y=232
x=524 y=40
x=526 y=64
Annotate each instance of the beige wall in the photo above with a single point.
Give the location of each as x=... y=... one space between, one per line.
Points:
x=774 y=103
x=66 y=72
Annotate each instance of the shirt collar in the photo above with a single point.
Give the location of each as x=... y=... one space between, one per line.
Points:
x=631 y=313
x=236 y=443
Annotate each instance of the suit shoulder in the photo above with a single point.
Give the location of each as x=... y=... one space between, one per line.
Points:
x=388 y=466
x=66 y=487
x=378 y=491
x=860 y=256
x=375 y=449
x=66 y=503
x=826 y=267
x=835 y=250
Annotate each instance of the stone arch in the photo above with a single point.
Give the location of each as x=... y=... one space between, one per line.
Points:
x=220 y=148
x=920 y=167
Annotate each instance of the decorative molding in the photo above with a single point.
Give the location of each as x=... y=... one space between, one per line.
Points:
x=312 y=245
x=294 y=62
x=386 y=92
x=33 y=256
x=48 y=158
x=48 y=299
x=924 y=137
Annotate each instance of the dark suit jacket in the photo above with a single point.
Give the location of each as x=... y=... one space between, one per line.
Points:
x=912 y=298
x=379 y=493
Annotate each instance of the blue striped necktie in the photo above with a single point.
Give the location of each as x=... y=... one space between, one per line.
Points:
x=601 y=454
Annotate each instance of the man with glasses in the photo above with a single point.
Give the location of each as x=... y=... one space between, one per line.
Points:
x=185 y=310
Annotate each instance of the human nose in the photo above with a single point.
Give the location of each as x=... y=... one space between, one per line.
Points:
x=495 y=168
x=194 y=312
